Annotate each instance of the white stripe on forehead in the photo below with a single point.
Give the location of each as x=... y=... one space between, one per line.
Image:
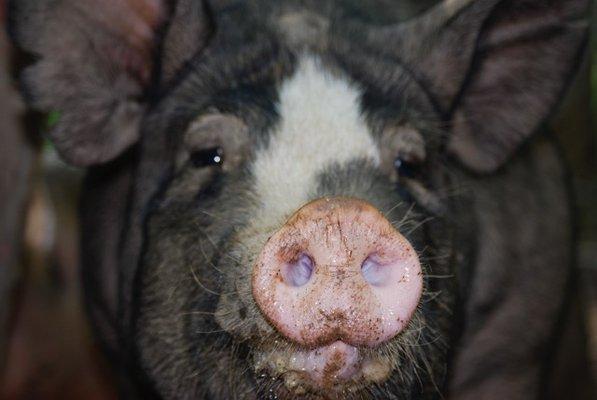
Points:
x=320 y=124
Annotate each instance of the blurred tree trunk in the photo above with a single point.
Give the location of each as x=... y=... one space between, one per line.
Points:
x=17 y=155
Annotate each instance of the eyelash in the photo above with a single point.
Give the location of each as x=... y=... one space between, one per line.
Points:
x=411 y=188
x=405 y=168
x=213 y=156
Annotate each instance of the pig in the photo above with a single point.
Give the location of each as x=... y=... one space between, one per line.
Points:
x=316 y=199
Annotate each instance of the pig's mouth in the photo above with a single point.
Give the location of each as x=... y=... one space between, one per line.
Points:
x=331 y=370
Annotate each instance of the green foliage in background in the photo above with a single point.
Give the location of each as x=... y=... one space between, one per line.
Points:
x=52 y=119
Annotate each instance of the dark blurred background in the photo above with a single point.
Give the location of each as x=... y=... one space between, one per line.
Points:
x=46 y=347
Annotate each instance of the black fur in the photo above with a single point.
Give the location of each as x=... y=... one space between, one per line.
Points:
x=165 y=262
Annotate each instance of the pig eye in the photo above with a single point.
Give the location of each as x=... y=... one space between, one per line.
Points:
x=213 y=156
x=406 y=169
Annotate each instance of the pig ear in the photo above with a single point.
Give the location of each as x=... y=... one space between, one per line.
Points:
x=496 y=68
x=524 y=60
x=94 y=62
x=188 y=32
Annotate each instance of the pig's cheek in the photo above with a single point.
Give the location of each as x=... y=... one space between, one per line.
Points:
x=243 y=321
x=232 y=316
x=236 y=312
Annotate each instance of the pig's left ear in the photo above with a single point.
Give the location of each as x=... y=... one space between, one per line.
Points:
x=496 y=68
x=94 y=64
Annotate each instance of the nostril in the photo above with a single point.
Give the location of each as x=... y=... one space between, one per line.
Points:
x=299 y=272
x=374 y=272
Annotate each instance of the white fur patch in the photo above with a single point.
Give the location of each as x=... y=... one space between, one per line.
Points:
x=320 y=124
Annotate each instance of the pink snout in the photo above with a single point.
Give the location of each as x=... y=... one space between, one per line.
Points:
x=338 y=271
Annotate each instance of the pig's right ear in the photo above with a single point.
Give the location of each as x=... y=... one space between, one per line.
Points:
x=94 y=63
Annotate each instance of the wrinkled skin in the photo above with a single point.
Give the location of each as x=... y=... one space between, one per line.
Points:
x=169 y=244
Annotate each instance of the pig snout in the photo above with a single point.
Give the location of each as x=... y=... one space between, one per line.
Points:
x=337 y=271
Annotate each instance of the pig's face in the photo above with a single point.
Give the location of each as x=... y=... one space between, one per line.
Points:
x=289 y=251
x=293 y=224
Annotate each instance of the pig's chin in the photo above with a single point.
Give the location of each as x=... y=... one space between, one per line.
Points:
x=330 y=370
